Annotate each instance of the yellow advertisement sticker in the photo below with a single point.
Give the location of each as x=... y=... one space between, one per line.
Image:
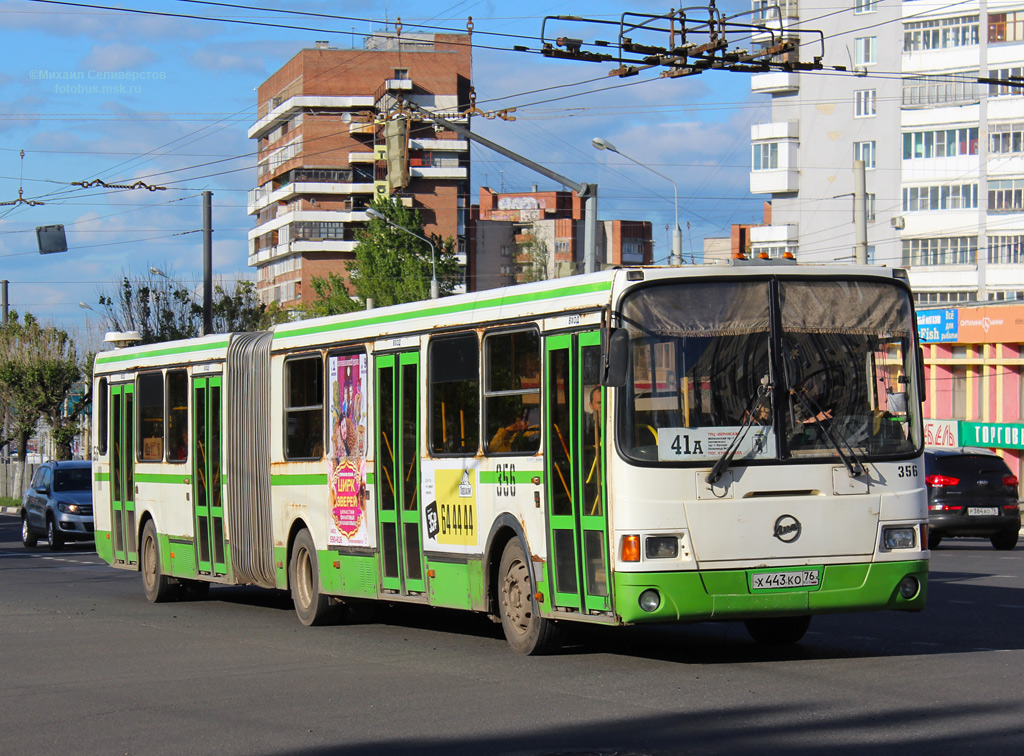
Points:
x=454 y=507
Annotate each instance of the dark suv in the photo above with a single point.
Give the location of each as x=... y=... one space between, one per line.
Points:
x=971 y=492
x=58 y=504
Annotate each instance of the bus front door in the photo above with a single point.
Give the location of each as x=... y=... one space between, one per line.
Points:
x=207 y=499
x=397 y=473
x=575 y=474
x=122 y=473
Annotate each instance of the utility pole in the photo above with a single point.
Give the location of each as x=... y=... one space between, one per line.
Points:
x=207 y=265
x=860 y=213
x=3 y=299
x=586 y=192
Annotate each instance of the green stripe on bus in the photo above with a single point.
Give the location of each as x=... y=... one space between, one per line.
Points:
x=428 y=312
x=161 y=478
x=312 y=479
x=102 y=476
x=105 y=359
x=519 y=476
x=370 y=478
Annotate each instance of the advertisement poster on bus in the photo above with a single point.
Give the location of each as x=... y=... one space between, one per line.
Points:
x=346 y=463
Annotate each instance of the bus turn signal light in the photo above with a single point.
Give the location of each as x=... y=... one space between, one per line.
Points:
x=631 y=548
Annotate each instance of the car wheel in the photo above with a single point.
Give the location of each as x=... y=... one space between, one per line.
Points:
x=778 y=631
x=28 y=538
x=158 y=587
x=525 y=630
x=53 y=537
x=312 y=607
x=1005 y=541
x=934 y=539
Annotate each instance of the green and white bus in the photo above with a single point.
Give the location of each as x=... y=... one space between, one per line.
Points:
x=641 y=445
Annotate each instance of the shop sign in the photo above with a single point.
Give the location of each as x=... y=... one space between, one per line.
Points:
x=992 y=435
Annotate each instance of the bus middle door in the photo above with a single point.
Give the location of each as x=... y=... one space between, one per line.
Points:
x=122 y=473
x=575 y=475
x=397 y=473
x=207 y=488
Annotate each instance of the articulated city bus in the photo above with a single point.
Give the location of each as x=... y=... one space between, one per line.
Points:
x=641 y=445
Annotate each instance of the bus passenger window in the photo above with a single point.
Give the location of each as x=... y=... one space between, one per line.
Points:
x=512 y=394
x=151 y=417
x=454 y=378
x=304 y=408
x=177 y=415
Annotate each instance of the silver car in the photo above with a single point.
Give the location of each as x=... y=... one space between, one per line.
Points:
x=58 y=505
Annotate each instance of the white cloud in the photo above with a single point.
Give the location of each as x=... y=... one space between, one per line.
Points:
x=118 y=57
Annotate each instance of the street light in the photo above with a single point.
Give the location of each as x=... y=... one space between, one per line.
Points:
x=158 y=272
x=86 y=306
x=435 y=291
x=677 y=235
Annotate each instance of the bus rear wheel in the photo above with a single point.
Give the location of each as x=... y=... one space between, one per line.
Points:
x=312 y=606
x=525 y=630
x=158 y=587
x=778 y=631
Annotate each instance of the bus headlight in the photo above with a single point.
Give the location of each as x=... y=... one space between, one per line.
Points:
x=661 y=547
x=898 y=538
x=650 y=600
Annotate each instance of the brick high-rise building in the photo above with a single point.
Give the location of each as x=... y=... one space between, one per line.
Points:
x=328 y=142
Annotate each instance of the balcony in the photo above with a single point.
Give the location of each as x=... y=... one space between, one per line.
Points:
x=775 y=82
x=775 y=181
x=259 y=199
x=285 y=110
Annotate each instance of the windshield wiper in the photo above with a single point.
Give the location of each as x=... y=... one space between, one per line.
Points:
x=853 y=465
x=763 y=391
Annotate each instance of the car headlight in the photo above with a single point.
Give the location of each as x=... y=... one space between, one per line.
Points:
x=898 y=538
x=67 y=508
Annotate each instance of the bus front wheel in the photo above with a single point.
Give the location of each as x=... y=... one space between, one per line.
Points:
x=778 y=631
x=525 y=630
x=312 y=606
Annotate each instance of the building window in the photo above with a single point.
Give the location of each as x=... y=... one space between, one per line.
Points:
x=401 y=73
x=317 y=230
x=1006 y=27
x=177 y=415
x=1001 y=90
x=766 y=156
x=1006 y=138
x=774 y=251
x=1006 y=249
x=958 y=87
x=864 y=103
x=865 y=151
x=454 y=375
x=941 y=197
x=869 y=201
x=1006 y=196
x=865 y=6
x=940 y=34
x=304 y=408
x=944 y=143
x=950 y=250
x=943 y=297
x=865 y=51
x=1006 y=296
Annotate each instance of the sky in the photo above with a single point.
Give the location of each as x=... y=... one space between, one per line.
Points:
x=88 y=93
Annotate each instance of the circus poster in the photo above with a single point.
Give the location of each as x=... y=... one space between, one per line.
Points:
x=347 y=459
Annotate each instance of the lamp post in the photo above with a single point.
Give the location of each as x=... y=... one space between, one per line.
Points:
x=677 y=234
x=435 y=290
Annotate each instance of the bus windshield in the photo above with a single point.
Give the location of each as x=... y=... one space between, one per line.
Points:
x=769 y=369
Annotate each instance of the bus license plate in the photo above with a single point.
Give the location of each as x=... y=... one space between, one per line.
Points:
x=982 y=511
x=795 y=579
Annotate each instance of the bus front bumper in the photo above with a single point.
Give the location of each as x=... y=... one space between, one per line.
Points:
x=729 y=595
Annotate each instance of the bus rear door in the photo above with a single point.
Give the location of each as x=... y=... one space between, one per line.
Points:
x=122 y=473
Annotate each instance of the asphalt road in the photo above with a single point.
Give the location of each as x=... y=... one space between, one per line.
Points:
x=89 y=667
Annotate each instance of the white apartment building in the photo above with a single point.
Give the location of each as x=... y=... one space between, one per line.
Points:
x=944 y=153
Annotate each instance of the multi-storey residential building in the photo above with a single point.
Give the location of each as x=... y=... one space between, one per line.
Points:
x=523 y=236
x=330 y=137
x=944 y=153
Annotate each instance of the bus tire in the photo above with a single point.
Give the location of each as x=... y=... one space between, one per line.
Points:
x=312 y=606
x=158 y=587
x=525 y=630
x=778 y=631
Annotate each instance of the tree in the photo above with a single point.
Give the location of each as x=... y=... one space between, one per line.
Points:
x=38 y=368
x=532 y=261
x=390 y=266
x=162 y=309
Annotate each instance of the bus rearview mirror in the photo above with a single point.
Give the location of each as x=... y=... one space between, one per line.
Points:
x=616 y=359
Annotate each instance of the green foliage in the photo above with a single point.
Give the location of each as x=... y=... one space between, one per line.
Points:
x=39 y=366
x=162 y=309
x=532 y=261
x=390 y=267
